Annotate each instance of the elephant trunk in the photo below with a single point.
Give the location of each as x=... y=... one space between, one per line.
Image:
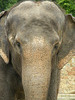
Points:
x=35 y=81
x=36 y=70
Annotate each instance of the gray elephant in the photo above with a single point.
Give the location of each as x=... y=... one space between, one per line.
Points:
x=39 y=42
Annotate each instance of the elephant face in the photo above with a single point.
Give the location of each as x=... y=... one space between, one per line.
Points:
x=36 y=33
x=34 y=30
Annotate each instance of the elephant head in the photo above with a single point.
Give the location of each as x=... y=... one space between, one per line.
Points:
x=38 y=34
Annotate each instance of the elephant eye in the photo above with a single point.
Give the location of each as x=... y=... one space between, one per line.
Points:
x=55 y=48
x=18 y=44
x=18 y=47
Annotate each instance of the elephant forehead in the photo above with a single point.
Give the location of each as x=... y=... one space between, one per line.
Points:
x=28 y=12
x=29 y=9
x=28 y=5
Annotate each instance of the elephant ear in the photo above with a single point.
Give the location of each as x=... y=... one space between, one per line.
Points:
x=4 y=49
x=67 y=50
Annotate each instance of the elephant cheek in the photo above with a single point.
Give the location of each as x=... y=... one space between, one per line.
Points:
x=35 y=79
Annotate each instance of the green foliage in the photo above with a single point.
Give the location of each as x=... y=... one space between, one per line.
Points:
x=68 y=5
x=6 y=4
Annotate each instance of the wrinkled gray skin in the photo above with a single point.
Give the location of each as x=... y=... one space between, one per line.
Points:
x=9 y=79
x=40 y=40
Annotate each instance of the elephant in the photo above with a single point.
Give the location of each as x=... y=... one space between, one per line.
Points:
x=39 y=42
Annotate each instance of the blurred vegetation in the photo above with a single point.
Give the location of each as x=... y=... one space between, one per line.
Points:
x=68 y=5
x=6 y=4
